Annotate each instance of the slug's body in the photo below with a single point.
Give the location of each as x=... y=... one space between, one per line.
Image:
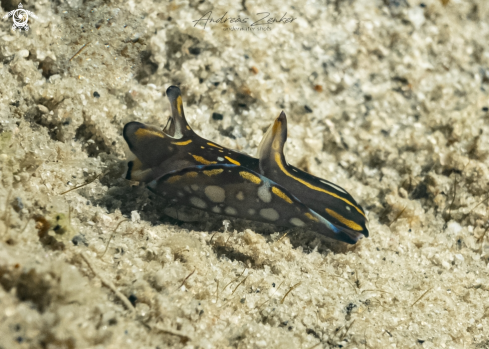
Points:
x=190 y=170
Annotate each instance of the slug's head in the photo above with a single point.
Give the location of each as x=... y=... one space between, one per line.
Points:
x=178 y=126
x=145 y=143
x=150 y=147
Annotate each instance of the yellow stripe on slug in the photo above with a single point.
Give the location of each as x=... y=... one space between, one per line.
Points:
x=349 y=223
x=173 y=179
x=182 y=143
x=144 y=132
x=179 y=105
x=276 y=128
x=137 y=164
x=232 y=161
x=213 y=145
x=136 y=172
x=311 y=217
x=251 y=177
x=213 y=172
x=278 y=160
x=281 y=194
x=202 y=160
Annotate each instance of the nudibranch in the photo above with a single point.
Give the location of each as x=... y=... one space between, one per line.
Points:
x=189 y=170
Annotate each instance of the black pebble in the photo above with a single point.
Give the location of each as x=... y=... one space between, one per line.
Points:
x=17 y=204
x=96 y=94
x=79 y=240
x=217 y=116
x=133 y=299
x=308 y=110
x=195 y=50
x=486 y=109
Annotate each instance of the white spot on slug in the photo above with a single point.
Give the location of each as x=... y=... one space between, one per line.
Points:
x=230 y=211
x=264 y=193
x=194 y=187
x=180 y=194
x=152 y=184
x=297 y=222
x=215 y=193
x=216 y=209
x=220 y=159
x=198 y=202
x=240 y=196
x=269 y=213
x=251 y=212
x=187 y=189
x=348 y=208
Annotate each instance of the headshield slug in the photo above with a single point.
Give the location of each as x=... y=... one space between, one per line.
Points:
x=190 y=170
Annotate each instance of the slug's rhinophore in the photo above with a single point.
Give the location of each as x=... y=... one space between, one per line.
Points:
x=190 y=170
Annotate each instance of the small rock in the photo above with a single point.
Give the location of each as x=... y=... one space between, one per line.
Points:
x=42 y=109
x=135 y=217
x=217 y=116
x=79 y=240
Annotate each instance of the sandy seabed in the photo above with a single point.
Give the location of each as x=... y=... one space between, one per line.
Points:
x=388 y=99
